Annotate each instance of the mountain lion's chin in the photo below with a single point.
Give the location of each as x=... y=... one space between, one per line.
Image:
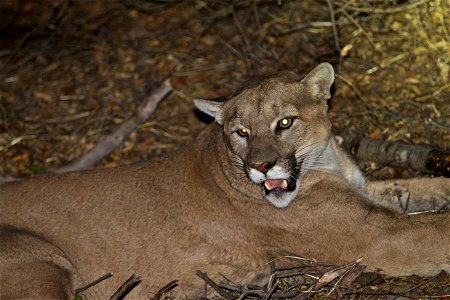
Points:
x=283 y=193
x=279 y=185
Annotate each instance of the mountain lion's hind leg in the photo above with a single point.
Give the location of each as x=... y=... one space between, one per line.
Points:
x=31 y=267
x=412 y=195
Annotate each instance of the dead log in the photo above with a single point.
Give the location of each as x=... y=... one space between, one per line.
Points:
x=116 y=138
x=398 y=154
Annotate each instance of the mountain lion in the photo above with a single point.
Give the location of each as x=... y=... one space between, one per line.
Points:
x=265 y=180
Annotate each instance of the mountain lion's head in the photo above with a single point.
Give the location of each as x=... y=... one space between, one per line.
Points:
x=276 y=130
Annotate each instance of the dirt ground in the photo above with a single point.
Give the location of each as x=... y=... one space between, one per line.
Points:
x=72 y=70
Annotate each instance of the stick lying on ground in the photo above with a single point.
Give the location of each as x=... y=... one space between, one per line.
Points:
x=397 y=154
x=126 y=287
x=113 y=140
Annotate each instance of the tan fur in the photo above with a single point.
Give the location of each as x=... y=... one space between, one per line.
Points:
x=197 y=209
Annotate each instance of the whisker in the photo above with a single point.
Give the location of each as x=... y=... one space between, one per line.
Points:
x=304 y=147
x=310 y=153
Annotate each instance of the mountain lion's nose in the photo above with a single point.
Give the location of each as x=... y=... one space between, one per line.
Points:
x=263 y=167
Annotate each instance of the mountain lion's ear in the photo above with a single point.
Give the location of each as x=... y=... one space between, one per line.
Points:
x=319 y=80
x=212 y=108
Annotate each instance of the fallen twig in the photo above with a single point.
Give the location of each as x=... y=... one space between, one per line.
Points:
x=396 y=9
x=347 y=279
x=271 y=292
x=113 y=140
x=214 y=285
x=245 y=292
x=126 y=287
x=333 y=23
x=416 y=286
x=96 y=281
x=165 y=289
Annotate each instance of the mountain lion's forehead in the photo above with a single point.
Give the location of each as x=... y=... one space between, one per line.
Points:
x=271 y=97
x=263 y=109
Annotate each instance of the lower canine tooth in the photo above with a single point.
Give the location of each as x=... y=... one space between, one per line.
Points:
x=284 y=184
x=267 y=185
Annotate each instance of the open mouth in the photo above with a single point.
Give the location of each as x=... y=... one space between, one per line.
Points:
x=279 y=185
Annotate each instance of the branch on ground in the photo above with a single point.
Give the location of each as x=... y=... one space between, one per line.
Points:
x=397 y=154
x=126 y=287
x=110 y=142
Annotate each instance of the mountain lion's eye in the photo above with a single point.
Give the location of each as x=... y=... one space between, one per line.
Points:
x=243 y=132
x=285 y=123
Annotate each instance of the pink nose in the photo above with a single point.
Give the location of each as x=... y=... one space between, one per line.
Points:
x=263 y=167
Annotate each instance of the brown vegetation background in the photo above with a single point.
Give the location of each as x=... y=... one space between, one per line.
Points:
x=70 y=71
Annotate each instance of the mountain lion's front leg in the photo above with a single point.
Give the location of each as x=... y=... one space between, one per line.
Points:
x=413 y=195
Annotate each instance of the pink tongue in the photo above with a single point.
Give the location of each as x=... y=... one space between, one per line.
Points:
x=275 y=183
